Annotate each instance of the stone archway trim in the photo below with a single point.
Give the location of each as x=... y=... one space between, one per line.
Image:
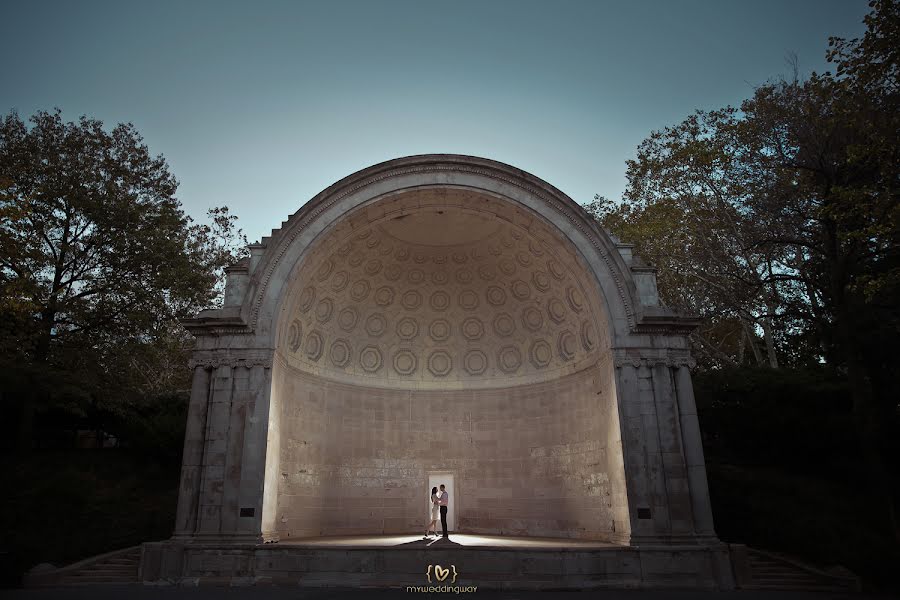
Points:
x=554 y=198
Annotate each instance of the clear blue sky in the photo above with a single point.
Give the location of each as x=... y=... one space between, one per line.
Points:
x=261 y=105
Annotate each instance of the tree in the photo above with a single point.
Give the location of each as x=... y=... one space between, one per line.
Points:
x=836 y=141
x=785 y=213
x=688 y=208
x=95 y=252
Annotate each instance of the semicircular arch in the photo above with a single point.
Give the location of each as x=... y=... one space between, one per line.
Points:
x=365 y=197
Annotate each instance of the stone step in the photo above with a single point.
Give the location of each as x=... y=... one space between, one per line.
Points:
x=766 y=560
x=97 y=579
x=799 y=588
x=778 y=574
x=110 y=570
x=105 y=567
x=105 y=573
x=119 y=567
x=769 y=573
x=788 y=579
x=770 y=565
x=481 y=584
x=774 y=566
x=91 y=582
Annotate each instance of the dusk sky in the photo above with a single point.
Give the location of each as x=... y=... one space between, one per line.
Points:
x=261 y=105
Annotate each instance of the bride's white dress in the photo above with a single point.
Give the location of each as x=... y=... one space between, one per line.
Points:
x=434 y=507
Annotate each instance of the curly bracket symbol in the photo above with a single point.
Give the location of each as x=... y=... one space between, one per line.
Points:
x=428 y=574
x=454 y=573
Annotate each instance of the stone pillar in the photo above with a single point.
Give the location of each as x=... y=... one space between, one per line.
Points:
x=615 y=457
x=267 y=466
x=254 y=453
x=217 y=426
x=231 y=453
x=656 y=477
x=693 y=453
x=637 y=471
x=192 y=457
x=669 y=426
x=234 y=449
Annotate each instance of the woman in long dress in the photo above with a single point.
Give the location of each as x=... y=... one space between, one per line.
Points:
x=434 y=513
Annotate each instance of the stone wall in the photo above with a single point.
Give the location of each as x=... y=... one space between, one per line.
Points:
x=528 y=460
x=442 y=313
x=489 y=568
x=385 y=304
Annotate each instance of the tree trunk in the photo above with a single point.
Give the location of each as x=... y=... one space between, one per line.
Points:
x=769 y=337
x=772 y=302
x=26 y=423
x=30 y=397
x=756 y=352
x=868 y=424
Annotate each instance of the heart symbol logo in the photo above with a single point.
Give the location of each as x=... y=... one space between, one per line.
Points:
x=440 y=572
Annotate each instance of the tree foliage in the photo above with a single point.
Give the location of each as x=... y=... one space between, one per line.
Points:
x=97 y=264
x=780 y=216
x=779 y=223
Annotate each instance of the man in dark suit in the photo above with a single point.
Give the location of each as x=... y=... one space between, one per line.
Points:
x=443 y=501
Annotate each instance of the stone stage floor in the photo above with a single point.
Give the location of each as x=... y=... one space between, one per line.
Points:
x=492 y=542
x=145 y=592
x=382 y=566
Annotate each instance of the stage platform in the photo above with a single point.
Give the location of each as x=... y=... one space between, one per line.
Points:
x=462 y=539
x=399 y=561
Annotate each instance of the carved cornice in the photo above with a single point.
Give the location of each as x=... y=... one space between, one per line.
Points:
x=215 y=359
x=216 y=326
x=666 y=324
x=330 y=198
x=649 y=357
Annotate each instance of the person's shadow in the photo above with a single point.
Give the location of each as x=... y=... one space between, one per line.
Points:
x=431 y=542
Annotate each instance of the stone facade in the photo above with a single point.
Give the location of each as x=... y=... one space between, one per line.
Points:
x=530 y=460
x=498 y=305
x=442 y=313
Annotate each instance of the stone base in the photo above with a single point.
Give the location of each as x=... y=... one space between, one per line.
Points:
x=520 y=564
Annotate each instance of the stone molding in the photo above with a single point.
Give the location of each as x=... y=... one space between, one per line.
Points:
x=215 y=323
x=213 y=361
x=676 y=325
x=441 y=164
x=649 y=357
x=213 y=330
x=542 y=385
x=506 y=303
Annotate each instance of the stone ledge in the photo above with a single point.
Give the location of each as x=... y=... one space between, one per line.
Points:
x=489 y=567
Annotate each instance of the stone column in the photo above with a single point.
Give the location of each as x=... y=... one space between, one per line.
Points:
x=693 y=453
x=192 y=457
x=234 y=451
x=669 y=427
x=231 y=454
x=634 y=450
x=656 y=477
x=254 y=454
x=267 y=468
x=217 y=426
x=615 y=457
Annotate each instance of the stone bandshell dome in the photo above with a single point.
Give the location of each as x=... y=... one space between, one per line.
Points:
x=443 y=290
x=441 y=314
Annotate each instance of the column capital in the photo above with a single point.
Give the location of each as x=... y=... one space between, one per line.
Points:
x=649 y=357
x=218 y=358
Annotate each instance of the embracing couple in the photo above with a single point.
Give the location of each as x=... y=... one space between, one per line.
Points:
x=439 y=501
